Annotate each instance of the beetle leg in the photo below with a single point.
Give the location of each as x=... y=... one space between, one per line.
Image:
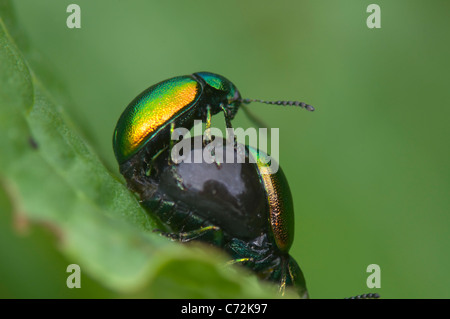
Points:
x=227 y=116
x=241 y=261
x=282 y=288
x=288 y=274
x=149 y=167
x=197 y=234
x=172 y=128
x=228 y=122
x=208 y=137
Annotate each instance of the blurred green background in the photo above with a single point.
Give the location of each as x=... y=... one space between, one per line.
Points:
x=369 y=170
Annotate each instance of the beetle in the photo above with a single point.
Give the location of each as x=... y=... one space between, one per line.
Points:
x=151 y=117
x=241 y=207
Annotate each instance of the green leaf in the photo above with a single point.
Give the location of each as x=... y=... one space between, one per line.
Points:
x=54 y=178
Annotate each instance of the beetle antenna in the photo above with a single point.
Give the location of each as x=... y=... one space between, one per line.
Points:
x=291 y=103
x=366 y=296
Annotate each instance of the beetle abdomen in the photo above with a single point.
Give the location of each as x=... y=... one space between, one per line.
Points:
x=228 y=195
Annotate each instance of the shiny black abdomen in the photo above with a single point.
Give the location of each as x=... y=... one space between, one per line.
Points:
x=228 y=195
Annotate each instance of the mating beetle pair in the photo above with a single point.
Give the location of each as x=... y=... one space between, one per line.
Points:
x=240 y=207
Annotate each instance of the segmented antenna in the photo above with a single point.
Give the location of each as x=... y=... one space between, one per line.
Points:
x=290 y=103
x=366 y=296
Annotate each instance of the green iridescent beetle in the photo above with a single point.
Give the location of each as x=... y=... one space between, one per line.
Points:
x=147 y=122
x=257 y=235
